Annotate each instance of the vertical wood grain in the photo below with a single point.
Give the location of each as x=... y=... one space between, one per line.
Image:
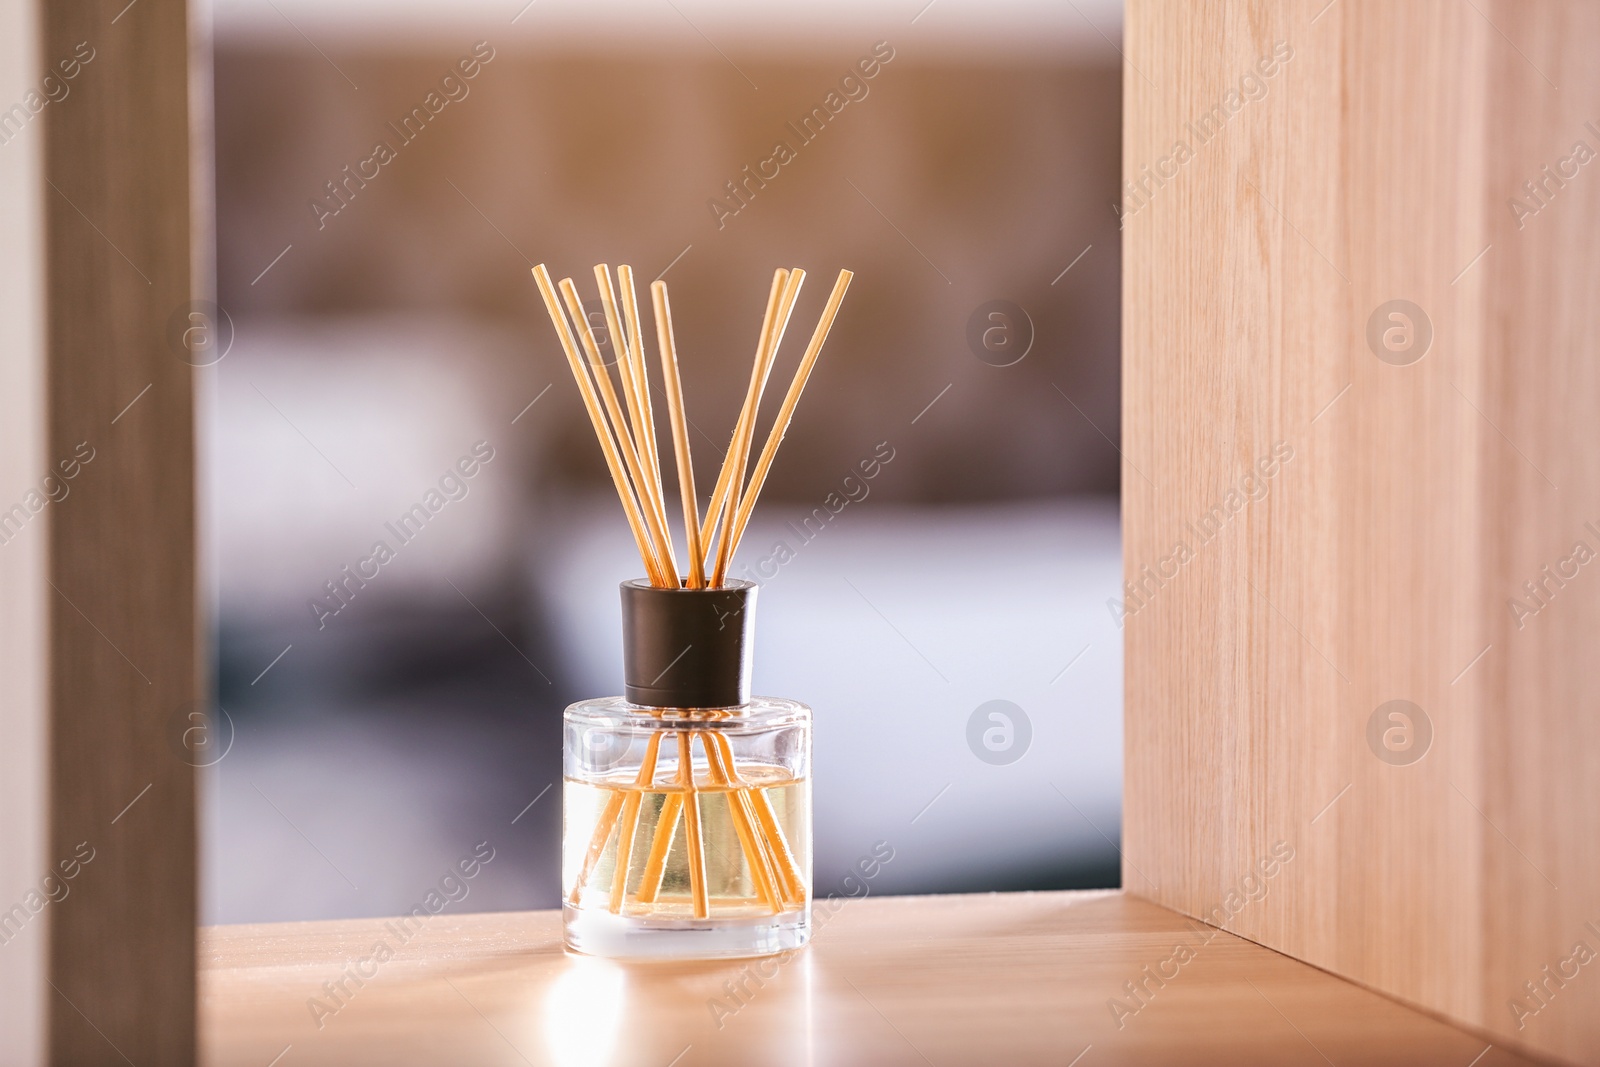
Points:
x=1376 y=165
x=98 y=632
x=24 y=708
x=1541 y=783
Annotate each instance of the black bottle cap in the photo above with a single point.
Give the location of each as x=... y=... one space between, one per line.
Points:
x=687 y=648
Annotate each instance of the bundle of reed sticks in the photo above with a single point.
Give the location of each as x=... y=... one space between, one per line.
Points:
x=628 y=441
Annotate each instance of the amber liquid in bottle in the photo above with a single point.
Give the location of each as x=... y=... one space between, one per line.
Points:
x=687 y=833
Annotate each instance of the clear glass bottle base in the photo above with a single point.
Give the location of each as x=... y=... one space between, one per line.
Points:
x=597 y=932
x=686 y=832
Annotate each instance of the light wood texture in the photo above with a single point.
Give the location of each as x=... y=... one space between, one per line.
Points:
x=1379 y=163
x=989 y=979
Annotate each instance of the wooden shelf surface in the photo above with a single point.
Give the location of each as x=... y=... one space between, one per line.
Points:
x=983 y=979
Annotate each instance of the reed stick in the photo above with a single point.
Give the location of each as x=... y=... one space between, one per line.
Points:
x=654 y=520
x=691 y=822
x=762 y=874
x=780 y=426
x=732 y=472
x=642 y=432
x=788 y=868
x=655 y=865
x=680 y=433
x=628 y=446
x=630 y=316
x=725 y=477
x=745 y=431
x=608 y=447
x=616 y=807
x=629 y=824
x=597 y=844
x=794 y=881
x=620 y=350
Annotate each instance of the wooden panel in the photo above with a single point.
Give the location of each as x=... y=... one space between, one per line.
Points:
x=1409 y=494
x=97 y=592
x=23 y=607
x=1010 y=978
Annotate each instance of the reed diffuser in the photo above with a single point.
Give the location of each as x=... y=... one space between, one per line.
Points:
x=687 y=802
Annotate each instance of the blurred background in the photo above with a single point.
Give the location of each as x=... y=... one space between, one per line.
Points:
x=381 y=325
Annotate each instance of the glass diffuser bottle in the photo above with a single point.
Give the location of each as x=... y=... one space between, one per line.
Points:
x=687 y=803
